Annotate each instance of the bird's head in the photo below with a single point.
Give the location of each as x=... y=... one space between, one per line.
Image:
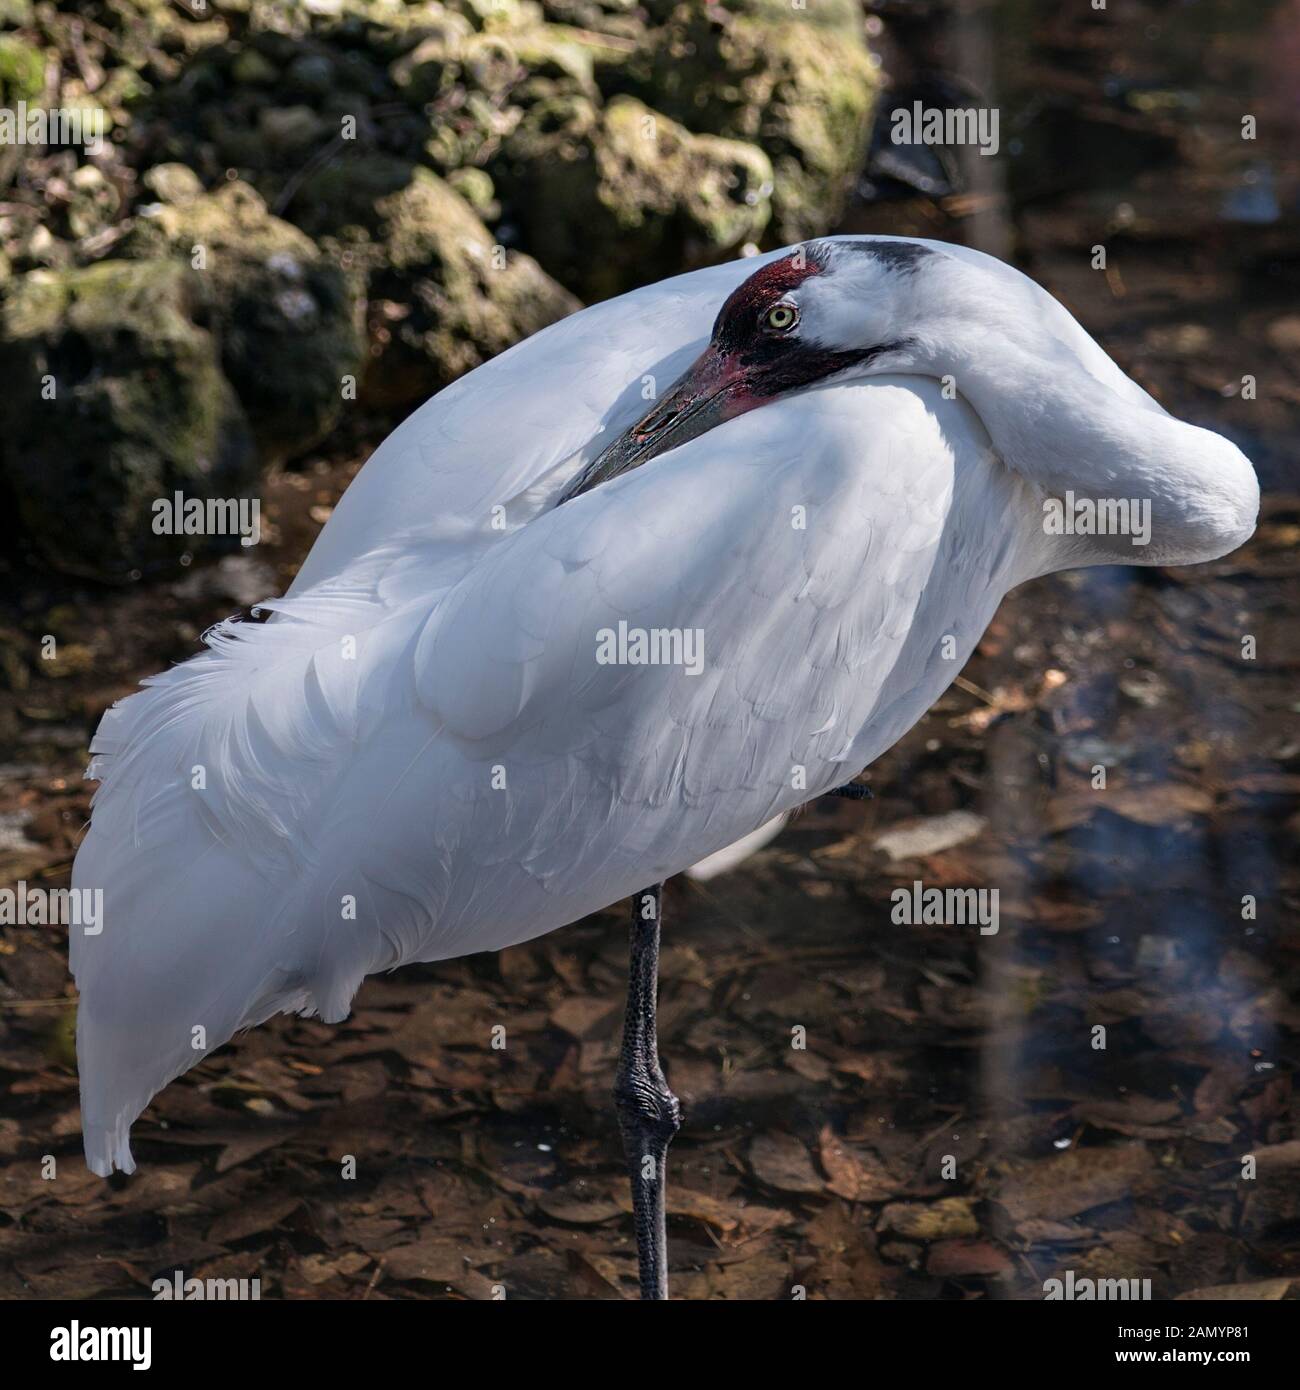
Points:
x=1058 y=412
x=826 y=310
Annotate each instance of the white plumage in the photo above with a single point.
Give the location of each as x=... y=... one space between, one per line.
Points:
x=420 y=755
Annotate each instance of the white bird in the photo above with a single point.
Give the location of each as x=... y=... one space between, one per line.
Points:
x=443 y=741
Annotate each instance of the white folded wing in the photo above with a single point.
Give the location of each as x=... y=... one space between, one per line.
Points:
x=424 y=754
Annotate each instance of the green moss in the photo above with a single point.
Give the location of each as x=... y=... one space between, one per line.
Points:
x=114 y=397
x=803 y=92
x=61 y=1034
x=16 y=14
x=289 y=321
x=552 y=51
x=22 y=71
x=447 y=297
x=651 y=196
x=475 y=186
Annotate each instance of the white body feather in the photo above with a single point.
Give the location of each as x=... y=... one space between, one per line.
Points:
x=420 y=755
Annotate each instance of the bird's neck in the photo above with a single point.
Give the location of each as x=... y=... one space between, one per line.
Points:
x=1091 y=451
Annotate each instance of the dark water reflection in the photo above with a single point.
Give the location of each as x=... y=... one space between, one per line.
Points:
x=1124 y=130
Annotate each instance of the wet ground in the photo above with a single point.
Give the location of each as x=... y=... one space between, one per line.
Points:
x=952 y=1128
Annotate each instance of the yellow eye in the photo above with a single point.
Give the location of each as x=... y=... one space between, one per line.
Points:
x=782 y=316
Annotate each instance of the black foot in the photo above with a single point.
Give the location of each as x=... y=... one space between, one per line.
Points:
x=648 y=1112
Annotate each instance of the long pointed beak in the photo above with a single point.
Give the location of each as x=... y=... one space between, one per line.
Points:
x=710 y=391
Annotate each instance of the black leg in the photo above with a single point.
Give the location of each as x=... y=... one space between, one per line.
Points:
x=855 y=791
x=648 y=1112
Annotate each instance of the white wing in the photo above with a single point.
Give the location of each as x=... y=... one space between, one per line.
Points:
x=512 y=433
x=377 y=776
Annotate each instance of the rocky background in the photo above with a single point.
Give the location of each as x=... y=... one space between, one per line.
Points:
x=524 y=127
x=302 y=206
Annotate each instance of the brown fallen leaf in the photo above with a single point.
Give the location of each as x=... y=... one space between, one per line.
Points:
x=808 y=1065
x=1053 y=1188
x=1274 y=1158
x=1188 y=1022
x=1219 y=1130
x=764 y=1278
x=1217 y=1089
x=584 y=1016
x=847 y=1175
x=731 y=1220
x=239 y=1148
x=74 y=1279
x=1163 y=803
x=955 y=1259
x=250 y=1218
x=944 y=1219
x=782 y=1162
x=1266 y=1290
x=1036 y=1232
x=320 y=1269
x=1138 y=1117
x=1132 y=1109
x=597 y=1275
x=579 y=1207
x=434 y=1259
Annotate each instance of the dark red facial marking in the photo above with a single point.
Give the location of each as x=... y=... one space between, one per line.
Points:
x=738 y=321
x=745 y=364
x=761 y=362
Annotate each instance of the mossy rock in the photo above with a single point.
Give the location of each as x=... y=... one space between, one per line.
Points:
x=93 y=202
x=430 y=69
x=555 y=51
x=803 y=91
x=475 y=186
x=497 y=14
x=844 y=16
x=22 y=71
x=290 y=322
x=340 y=199
x=621 y=19
x=17 y=14
x=611 y=198
x=173 y=183
x=443 y=296
x=114 y=397
x=472 y=87
x=459 y=297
